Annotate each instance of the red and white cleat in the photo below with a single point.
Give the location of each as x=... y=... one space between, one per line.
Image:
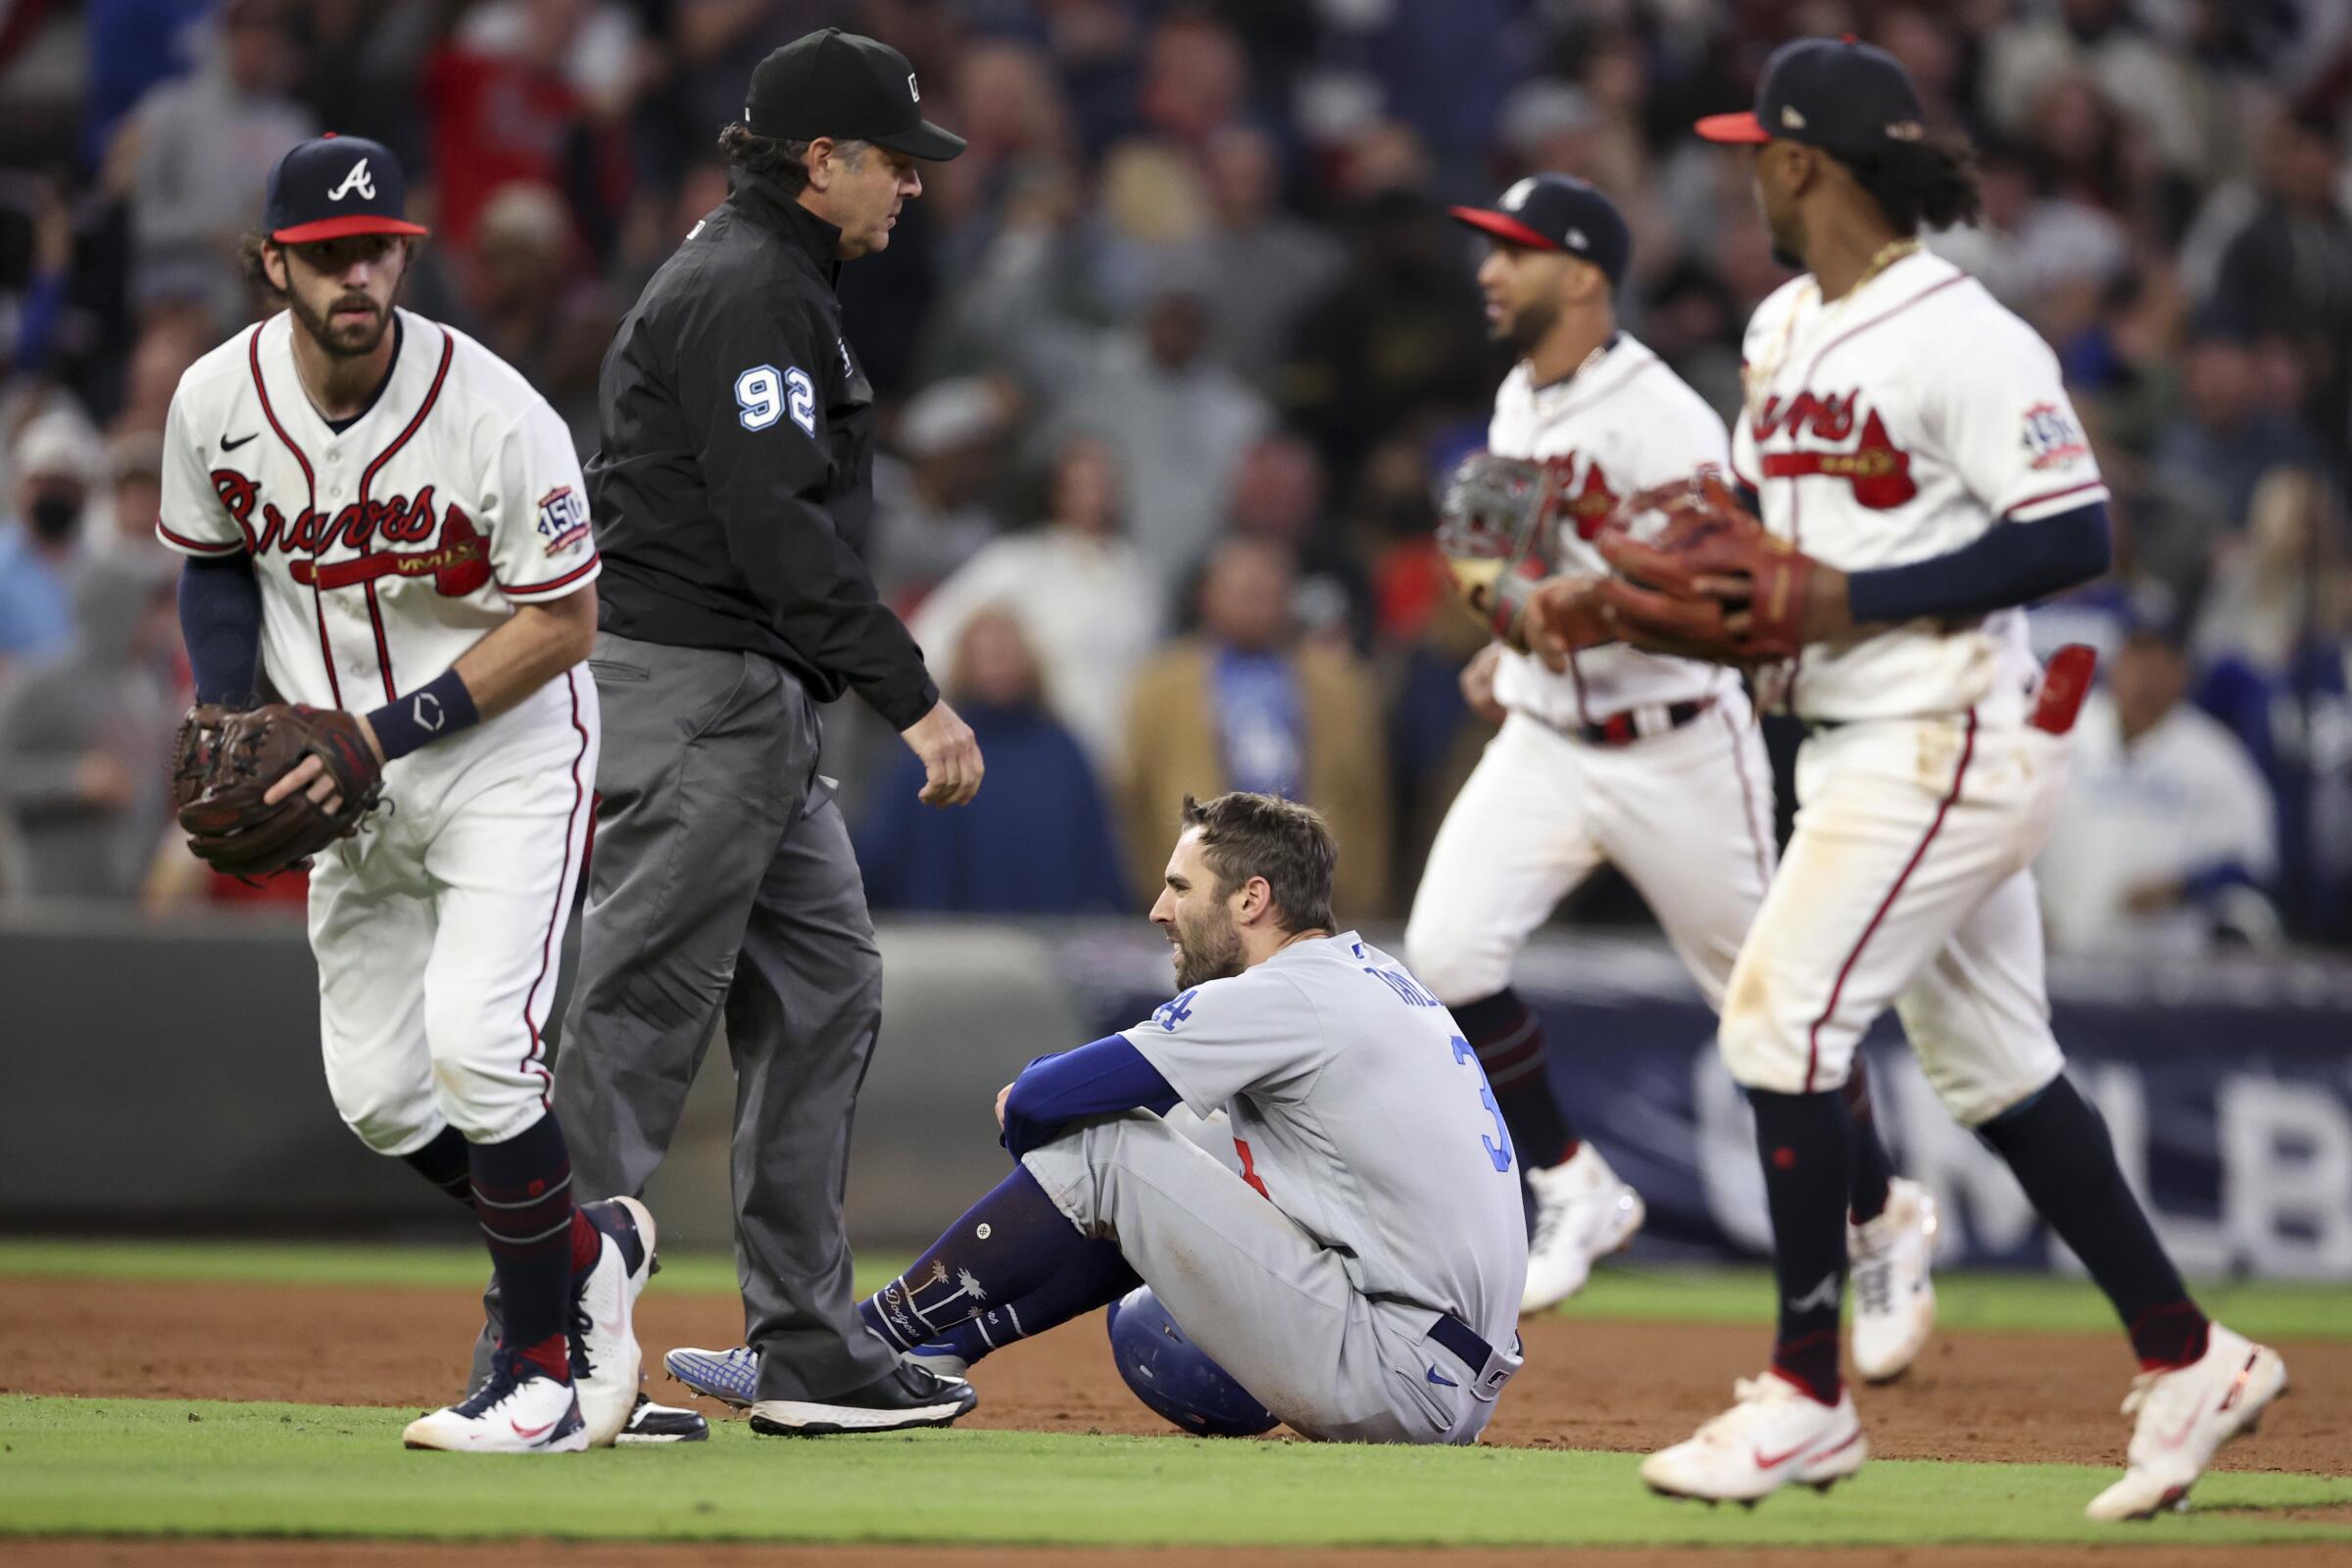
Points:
x=2185 y=1416
x=1776 y=1436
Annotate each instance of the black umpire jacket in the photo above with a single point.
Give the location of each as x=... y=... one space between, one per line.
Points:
x=735 y=487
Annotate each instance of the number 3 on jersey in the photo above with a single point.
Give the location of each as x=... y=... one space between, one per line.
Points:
x=1498 y=1148
x=761 y=395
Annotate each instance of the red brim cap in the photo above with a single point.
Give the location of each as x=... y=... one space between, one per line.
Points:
x=1742 y=126
x=1502 y=227
x=341 y=227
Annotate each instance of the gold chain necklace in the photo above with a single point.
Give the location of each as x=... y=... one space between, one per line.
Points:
x=1760 y=375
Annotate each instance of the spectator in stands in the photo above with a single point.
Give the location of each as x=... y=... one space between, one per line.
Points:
x=1084 y=597
x=1245 y=704
x=1038 y=842
x=2226 y=439
x=1178 y=420
x=1288 y=261
x=529 y=305
x=54 y=464
x=933 y=501
x=1278 y=495
x=2167 y=834
x=86 y=743
x=2267 y=585
x=199 y=149
x=2288 y=272
x=133 y=468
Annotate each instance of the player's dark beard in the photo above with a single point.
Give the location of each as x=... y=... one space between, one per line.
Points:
x=1210 y=948
x=346 y=341
x=1526 y=328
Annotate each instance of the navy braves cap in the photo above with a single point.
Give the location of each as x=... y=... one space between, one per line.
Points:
x=1557 y=212
x=1836 y=94
x=331 y=186
x=850 y=88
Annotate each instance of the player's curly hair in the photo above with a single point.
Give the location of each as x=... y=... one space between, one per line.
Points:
x=1932 y=181
x=1245 y=835
x=784 y=162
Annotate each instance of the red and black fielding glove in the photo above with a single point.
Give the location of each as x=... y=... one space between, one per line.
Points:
x=229 y=823
x=1710 y=582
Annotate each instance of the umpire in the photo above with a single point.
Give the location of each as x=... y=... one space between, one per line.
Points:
x=731 y=499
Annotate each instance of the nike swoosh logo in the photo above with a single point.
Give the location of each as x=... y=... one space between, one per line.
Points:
x=1775 y=1461
x=526 y=1434
x=1447 y=1382
x=226 y=445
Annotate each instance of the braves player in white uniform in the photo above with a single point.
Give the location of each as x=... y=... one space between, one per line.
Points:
x=382 y=517
x=1643 y=761
x=1298 y=1156
x=1912 y=437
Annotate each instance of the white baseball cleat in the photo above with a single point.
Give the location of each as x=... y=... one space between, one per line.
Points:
x=1776 y=1436
x=518 y=1409
x=1582 y=1213
x=1894 y=1300
x=606 y=1363
x=2184 y=1415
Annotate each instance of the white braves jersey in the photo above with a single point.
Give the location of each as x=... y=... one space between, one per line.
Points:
x=1622 y=424
x=1358 y=1108
x=389 y=548
x=1896 y=423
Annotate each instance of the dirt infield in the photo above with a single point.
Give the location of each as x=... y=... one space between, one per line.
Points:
x=1622 y=1385
x=1617 y=1386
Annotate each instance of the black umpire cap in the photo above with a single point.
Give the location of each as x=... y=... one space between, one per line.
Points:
x=331 y=186
x=1836 y=94
x=838 y=85
x=1557 y=212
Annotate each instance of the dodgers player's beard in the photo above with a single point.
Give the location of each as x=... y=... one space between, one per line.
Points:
x=1207 y=949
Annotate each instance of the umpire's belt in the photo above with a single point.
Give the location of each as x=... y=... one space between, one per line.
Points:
x=1639 y=723
x=1473 y=1352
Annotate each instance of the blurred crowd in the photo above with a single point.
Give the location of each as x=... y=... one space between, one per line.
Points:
x=1174 y=357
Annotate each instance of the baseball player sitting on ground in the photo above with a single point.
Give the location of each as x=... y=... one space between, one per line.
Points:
x=1299 y=1156
x=1921 y=476
x=1606 y=754
x=377 y=511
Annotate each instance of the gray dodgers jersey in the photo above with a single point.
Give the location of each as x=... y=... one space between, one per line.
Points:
x=1361 y=1112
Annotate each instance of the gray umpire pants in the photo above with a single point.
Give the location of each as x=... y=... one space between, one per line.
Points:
x=723 y=880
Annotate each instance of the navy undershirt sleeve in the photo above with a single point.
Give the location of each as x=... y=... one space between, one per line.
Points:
x=221 y=621
x=1095 y=1080
x=2013 y=563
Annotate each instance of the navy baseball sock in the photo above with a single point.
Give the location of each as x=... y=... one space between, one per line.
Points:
x=448 y=1163
x=1097 y=1277
x=1509 y=1042
x=1011 y=1242
x=2057 y=1145
x=1807 y=1149
x=523 y=1192
x=1873 y=1169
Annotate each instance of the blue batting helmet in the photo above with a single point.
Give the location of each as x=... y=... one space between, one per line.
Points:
x=1169 y=1373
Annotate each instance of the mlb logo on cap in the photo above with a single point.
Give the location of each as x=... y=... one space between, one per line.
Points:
x=1556 y=212
x=1837 y=94
x=332 y=186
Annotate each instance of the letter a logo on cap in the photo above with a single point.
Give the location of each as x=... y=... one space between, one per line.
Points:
x=358 y=180
x=913 y=91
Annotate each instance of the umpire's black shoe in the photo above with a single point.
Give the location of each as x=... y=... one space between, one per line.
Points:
x=906 y=1397
x=662 y=1423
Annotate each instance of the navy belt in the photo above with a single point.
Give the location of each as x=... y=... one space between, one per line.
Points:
x=1623 y=729
x=1457 y=1336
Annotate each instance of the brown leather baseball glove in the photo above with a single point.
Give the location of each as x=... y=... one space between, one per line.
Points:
x=228 y=822
x=1710 y=583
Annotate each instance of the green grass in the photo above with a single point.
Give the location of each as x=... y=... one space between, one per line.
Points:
x=191 y=1467
x=2034 y=1302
